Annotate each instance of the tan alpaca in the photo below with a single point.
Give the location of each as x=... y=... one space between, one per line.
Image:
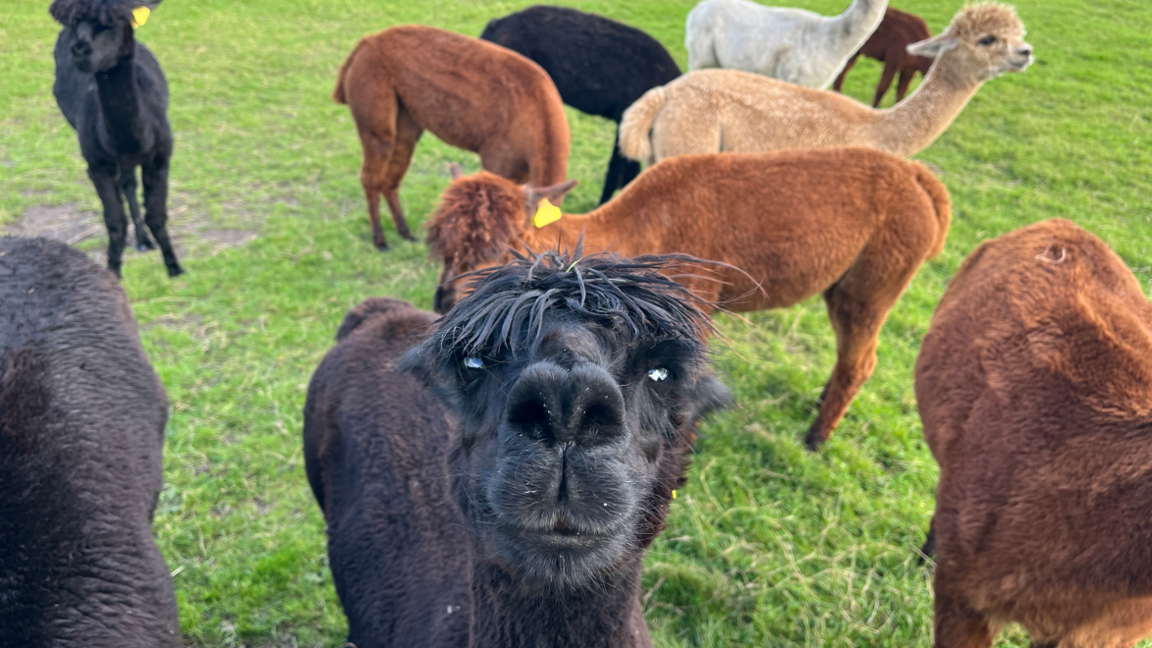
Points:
x=712 y=111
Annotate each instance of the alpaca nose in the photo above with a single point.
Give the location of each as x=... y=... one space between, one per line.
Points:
x=554 y=406
x=1025 y=51
x=81 y=49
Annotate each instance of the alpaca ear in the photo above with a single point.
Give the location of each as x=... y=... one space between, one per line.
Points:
x=456 y=170
x=933 y=47
x=554 y=194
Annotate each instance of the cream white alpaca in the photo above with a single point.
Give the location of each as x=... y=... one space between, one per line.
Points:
x=713 y=111
x=792 y=45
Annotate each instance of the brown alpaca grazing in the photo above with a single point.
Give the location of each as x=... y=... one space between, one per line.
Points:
x=889 y=45
x=852 y=224
x=1034 y=384
x=470 y=93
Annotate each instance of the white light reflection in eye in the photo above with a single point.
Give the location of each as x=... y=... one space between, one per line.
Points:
x=658 y=374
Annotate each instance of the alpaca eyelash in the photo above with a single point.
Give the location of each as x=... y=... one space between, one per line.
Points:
x=987 y=40
x=658 y=375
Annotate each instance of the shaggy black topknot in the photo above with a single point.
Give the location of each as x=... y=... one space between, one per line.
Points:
x=629 y=296
x=103 y=12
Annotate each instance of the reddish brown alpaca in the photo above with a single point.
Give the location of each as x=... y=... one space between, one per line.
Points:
x=1034 y=383
x=888 y=44
x=853 y=224
x=471 y=94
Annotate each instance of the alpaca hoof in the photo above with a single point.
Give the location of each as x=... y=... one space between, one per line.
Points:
x=814 y=440
x=175 y=271
x=145 y=245
x=409 y=237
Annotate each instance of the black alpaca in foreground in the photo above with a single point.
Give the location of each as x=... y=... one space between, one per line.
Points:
x=111 y=90
x=599 y=66
x=510 y=504
x=82 y=418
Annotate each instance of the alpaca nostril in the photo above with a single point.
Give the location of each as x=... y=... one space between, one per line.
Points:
x=1025 y=51
x=80 y=49
x=552 y=406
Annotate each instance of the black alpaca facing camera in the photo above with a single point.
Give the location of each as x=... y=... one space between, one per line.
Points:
x=112 y=91
x=497 y=484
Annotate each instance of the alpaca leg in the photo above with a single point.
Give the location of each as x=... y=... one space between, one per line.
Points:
x=957 y=625
x=375 y=116
x=407 y=135
x=929 y=547
x=104 y=179
x=885 y=81
x=155 y=177
x=621 y=171
x=906 y=77
x=839 y=82
x=857 y=324
x=128 y=187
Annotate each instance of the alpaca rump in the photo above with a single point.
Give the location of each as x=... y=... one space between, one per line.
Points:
x=1034 y=384
x=114 y=95
x=851 y=224
x=713 y=111
x=496 y=484
x=889 y=45
x=471 y=94
x=599 y=66
x=792 y=45
x=82 y=418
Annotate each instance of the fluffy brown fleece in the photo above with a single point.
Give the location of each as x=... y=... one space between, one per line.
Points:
x=851 y=224
x=1035 y=387
x=470 y=93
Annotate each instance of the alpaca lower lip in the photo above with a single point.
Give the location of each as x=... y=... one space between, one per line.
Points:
x=564 y=537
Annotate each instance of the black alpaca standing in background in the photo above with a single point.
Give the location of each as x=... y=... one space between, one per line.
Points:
x=82 y=416
x=599 y=66
x=112 y=91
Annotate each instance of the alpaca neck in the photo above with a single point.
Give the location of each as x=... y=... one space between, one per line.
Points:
x=857 y=22
x=913 y=124
x=602 y=229
x=120 y=110
x=510 y=613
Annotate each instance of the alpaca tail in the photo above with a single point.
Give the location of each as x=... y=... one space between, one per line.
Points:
x=938 y=194
x=338 y=94
x=636 y=126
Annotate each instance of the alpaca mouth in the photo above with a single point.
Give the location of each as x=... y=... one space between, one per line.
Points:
x=1020 y=65
x=84 y=65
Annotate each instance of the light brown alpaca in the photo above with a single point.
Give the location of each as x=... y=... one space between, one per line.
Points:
x=471 y=94
x=853 y=224
x=1034 y=383
x=712 y=111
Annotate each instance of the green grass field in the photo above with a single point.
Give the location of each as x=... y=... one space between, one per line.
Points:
x=768 y=545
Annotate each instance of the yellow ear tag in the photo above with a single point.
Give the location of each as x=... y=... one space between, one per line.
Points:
x=140 y=16
x=673 y=494
x=546 y=213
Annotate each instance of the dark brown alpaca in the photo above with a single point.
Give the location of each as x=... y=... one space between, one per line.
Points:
x=852 y=224
x=889 y=45
x=502 y=492
x=470 y=93
x=82 y=416
x=1034 y=384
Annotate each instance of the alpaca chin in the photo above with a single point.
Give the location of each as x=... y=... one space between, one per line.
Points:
x=557 y=560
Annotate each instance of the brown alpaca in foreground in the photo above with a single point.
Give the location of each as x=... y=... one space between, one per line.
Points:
x=889 y=45
x=1035 y=388
x=851 y=224
x=712 y=111
x=472 y=94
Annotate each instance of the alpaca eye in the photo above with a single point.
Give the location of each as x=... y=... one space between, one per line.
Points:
x=472 y=362
x=987 y=40
x=658 y=375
